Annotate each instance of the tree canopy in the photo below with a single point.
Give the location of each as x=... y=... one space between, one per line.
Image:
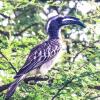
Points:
x=76 y=76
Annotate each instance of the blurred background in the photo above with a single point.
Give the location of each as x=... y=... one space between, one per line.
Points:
x=77 y=74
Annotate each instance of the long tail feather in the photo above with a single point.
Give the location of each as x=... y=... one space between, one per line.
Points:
x=12 y=88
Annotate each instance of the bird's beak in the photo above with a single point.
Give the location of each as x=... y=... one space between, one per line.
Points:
x=72 y=20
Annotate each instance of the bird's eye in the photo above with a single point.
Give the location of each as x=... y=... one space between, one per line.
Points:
x=59 y=19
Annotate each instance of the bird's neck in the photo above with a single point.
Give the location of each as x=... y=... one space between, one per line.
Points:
x=55 y=34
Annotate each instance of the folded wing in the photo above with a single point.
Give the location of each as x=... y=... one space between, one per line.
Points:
x=39 y=55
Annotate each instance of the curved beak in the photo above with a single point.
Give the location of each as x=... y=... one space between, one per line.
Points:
x=72 y=20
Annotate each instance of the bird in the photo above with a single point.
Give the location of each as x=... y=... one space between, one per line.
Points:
x=43 y=56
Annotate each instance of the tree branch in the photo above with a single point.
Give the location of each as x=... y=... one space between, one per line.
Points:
x=5 y=16
x=4 y=33
x=22 y=31
x=94 y=87
x=67 y=82
x=64 y=85
x=86 y=47
x=36 y=79
x=11 y=65
x=26 y=80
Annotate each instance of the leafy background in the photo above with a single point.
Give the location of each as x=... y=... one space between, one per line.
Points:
x=77 y=74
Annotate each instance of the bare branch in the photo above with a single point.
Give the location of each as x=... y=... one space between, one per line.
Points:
x=36 y=79
x=22 y=31
x=94 y=87
x=11 y=65
x=67 y=82
x=86 y=47
x=5 y=16
x=26 y=80
x=60 y=89
x=4 y=33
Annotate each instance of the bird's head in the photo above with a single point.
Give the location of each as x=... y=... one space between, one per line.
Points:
x=55 y=23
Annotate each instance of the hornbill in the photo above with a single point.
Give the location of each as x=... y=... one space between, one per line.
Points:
x=42 y=57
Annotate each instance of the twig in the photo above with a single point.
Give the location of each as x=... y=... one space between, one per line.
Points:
x=84 y=49
x=5 y=16
x=67 y=82
x=4 y=33
x=94 y=87
x=20 y=33
x=60 y=89
x=79 y=53
x=8 y=62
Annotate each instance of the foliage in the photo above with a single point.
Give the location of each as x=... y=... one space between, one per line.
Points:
x=77 y=74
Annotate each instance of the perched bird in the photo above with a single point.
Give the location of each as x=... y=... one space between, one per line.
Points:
x=43 y=56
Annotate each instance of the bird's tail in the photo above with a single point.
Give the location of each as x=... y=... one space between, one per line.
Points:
x=12 y=88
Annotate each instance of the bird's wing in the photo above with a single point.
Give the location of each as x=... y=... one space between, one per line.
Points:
x=39 y=55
